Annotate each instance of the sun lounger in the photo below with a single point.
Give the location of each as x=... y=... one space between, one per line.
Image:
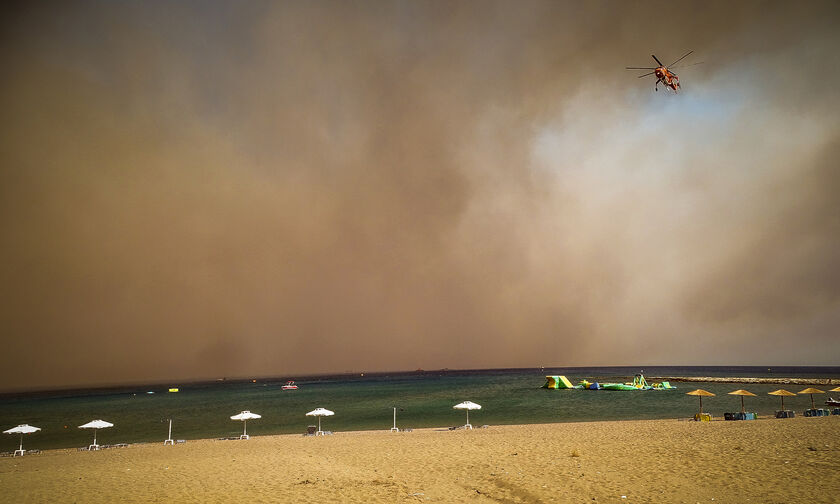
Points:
x=785 y=414
x=180 y=441
x=739 y=416
x=703 y=417
x=817 y=412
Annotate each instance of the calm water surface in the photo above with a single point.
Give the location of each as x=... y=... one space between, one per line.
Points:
x=514 y=396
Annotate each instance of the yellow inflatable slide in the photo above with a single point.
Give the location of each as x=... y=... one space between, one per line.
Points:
x=557 y=382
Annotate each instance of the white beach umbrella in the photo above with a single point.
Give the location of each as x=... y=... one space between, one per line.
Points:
x=320 y=412
x=467 y=405
x=21 y=429
x=96 y=425
x=244 y=417
x=169 y=440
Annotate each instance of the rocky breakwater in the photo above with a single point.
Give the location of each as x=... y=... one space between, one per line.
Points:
x=744 y=379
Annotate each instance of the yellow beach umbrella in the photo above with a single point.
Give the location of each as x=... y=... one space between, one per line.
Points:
x=782 y=393
x=835 y=389
x=811 y=391
x=700 y=393
x=742 y=393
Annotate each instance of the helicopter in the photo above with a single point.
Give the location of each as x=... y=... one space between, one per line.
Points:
x=663 y=73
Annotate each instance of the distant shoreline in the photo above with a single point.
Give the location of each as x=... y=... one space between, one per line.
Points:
x=605 y=371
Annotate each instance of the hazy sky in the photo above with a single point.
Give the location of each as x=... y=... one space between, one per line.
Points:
x=201 y=189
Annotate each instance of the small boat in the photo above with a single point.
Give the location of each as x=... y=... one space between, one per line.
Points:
x=174 y=389
x=832 y=402
x=290 y=385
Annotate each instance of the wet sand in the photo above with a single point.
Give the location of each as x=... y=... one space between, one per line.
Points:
x=653 y=461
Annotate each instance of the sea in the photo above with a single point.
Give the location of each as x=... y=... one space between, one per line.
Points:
x=423 y=399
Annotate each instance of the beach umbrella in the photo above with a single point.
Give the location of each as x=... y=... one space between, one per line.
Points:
x=811 y=391
x=169 y=440
x=782 y=393
x=700 y=393
x=394 y=428
x=244 y=417
x=96 y=425
x=742 y=393
x=835 y=389
x=467 y=405
x=21 y=429
x=320 y=412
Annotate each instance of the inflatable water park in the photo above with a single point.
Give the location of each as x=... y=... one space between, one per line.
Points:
x=638 y=383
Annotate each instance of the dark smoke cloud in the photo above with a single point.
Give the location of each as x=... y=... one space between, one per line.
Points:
x=195 y=190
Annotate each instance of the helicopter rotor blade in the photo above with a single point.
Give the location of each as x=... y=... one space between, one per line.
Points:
x=640 y=68
x=681 y=57
x=645 y=75
x=657 y=60
x=691 y=65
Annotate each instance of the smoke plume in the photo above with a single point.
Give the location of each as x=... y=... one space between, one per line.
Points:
x=200 y=189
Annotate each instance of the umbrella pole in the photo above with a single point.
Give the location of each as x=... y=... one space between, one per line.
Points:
x=94 y=436
x=742 y=404
x=468 y=416
x=783 y=402
x=319 y=424
x=701 y=403
x=245 y=427
x=21 y=442
x=812 y=402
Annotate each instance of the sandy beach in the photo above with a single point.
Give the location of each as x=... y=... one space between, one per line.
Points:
x=656 y=461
